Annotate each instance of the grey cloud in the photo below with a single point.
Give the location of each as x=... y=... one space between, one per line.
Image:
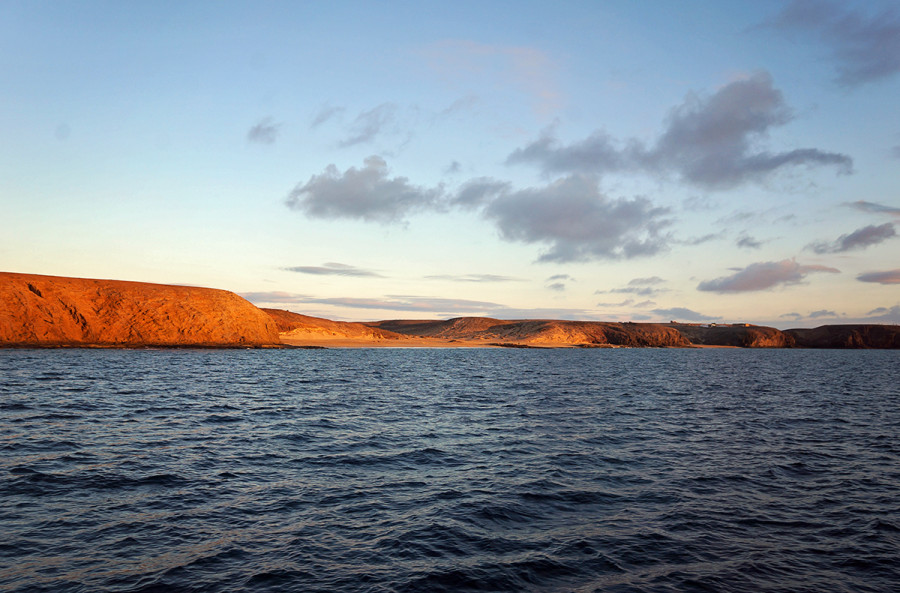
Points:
x=822 y=313
x=748 y=242
x=795 y=316
x=333 y=269
x=479 y=191
x=885 y=277
x=560 y=277
x=325 y=114
x=557 y=286
x=474 y=278
x=625 y=303
x=693 y=241
x=864 y=206
x=369 y=124
x=885 y=315
x=274 y=297
x=578 y=222
x=264 y=132
x=596 y=154
x=865 y=48
x=708 y=142
x=681 y=313
x=763 y=275
x=366 y=194
x=858 y=239
x=639 y=287
x=649 y=281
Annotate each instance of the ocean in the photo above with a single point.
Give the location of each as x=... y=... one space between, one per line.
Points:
x=402 y=470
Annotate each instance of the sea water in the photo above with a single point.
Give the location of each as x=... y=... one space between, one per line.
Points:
x=389 y=470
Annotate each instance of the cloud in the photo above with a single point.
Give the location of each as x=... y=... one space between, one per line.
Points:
x=858 y=239
x=578 y=222
x=639 y=287
x=864 y=206
x=324 y=114
x=370 y=124
x=560 y=277
x=557 y=286
x=333 y=269
x=885 y=277
x=763 y=275
x=710 y=142
x=748 y=242
x=681 y=313
x=865 y=48
x=365 y=194
x=474 y=278
x=274 y=297
x=884 y=315
x=479 y=191
x=264 y=132
x=822 y=313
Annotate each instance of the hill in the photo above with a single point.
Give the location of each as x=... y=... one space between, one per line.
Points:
x=58 y=311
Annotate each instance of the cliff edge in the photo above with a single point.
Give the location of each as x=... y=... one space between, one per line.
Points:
x=58 y=311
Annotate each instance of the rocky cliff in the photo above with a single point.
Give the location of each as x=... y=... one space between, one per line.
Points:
x=847 y=336
x=57 y=311
x=741 y=336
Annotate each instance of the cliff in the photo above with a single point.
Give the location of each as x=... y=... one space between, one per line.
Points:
x=847 y=336
x=740 y=336
x=56 y=311
x=541 y=332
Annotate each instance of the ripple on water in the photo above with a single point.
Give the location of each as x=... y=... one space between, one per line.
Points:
x=461 y=470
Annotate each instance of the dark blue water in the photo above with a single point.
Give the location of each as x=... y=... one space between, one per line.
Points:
x=450 y=470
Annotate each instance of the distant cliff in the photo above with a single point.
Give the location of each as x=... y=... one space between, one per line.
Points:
x=741 y=336
x=847 y=336
x=58 y=311
x=541 y=332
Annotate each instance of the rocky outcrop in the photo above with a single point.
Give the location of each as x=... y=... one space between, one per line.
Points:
x=847 y=336
x=541 y=332
x=739 y=336
x=57 y=311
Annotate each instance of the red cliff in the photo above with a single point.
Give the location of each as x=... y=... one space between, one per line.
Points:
x=57 y=311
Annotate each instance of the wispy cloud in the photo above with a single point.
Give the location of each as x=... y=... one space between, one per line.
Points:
x=370 y=124
x=711 y=142
x=639 y=287
x=683 y=314
x=865 y=47
x=873 y=207
x=367 y=194
x=748 y=242
x=858 y=239
x=885 y=277
x=334 y=269
x=264 y=132
x=474 y=278
x=326 y=113
x=763 y=275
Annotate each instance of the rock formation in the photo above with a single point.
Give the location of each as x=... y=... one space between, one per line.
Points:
x=57 y=311
x=847 y=336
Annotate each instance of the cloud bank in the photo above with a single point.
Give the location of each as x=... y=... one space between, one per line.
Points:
x=763 y=275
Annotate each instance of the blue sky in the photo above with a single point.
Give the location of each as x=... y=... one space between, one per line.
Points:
x=731 y=161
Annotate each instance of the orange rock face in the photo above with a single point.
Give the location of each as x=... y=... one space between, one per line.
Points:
x=57 y=311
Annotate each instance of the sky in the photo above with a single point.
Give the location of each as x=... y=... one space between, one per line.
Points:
x=597 y=160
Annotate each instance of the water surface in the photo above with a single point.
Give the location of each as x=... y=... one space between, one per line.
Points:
x=449 y=470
